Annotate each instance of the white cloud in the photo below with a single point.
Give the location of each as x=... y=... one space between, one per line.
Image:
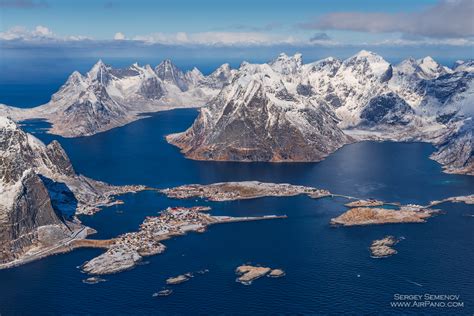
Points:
x=446 y=19
x=42 y=31
x=426 y=41
x=119 y=36
x=218 y=38
x=42 y=34
x=20 y=32
x=39 y=33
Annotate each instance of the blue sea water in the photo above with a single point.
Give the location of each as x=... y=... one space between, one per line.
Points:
x=328 y=269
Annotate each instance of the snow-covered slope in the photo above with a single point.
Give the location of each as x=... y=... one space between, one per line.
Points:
x=260 y=116
x=39 y=190
x=366 y=96
x=462 y=65
x=106 y=97
x=358 y=79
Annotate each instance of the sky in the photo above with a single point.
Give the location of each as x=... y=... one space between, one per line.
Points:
x=235 y=30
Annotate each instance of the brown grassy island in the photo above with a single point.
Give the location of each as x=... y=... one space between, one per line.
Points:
x=248 y=273
x=372 y=215
x=382 y=248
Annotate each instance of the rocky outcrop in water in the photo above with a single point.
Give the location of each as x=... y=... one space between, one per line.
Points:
x=248 y=273
x=383 y=248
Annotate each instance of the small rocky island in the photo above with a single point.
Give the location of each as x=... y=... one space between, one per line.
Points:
x=127 y=250
x=231 y=191
x=372 y=215
x=179 y=279
x=365 y=203
x=382 y=248
x=249 y=273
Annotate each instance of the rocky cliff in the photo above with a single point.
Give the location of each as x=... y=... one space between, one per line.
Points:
x=40 y=192
x=289 y=111
x=260 y=116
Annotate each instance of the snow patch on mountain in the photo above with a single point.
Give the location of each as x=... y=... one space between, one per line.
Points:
x=107 y=97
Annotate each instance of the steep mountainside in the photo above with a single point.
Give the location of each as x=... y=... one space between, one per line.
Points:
x=39 y=192
x=289 y=111
x=107 y=97
x=261 y=117
x=284 y=110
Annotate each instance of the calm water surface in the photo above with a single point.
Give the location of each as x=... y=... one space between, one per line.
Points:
x=328 y=269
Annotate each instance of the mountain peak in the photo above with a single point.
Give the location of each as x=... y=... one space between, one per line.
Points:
x=223 y=67
x=431 y=68
x=427 y=60
x=464 y=65
x=365 y=54
x=74 y=78
x=196 y=71
x=98 y=71
x=166 y=63
x=170 y=73
x=366 y=59
x=287 y=64
x=7 y=124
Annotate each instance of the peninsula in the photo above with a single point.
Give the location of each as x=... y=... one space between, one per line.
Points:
x=125 y=251
x=467 y=199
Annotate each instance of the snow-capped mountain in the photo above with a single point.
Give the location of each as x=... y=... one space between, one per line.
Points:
x=450 y=99
x=22 y=193
x=462 y=65
x=364 y=95
x=106 y=97
x=428 y=68
x=169 y=73
x=261 y=117
x=357 y=80
x=39 y=192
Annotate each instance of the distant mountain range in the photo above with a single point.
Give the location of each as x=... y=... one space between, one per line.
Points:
x=105 y=97
x=283 y=110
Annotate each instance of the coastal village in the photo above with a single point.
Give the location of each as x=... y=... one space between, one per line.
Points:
x=128 y=249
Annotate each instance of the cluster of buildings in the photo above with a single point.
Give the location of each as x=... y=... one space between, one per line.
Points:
x=173 y=221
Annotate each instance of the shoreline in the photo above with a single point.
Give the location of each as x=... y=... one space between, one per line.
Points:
x=136 y=116
x=80 y=240
x=127 y=250
x=66 y=245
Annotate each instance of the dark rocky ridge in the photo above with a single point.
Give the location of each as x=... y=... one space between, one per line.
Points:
x=256 y=119
x=40 y=193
